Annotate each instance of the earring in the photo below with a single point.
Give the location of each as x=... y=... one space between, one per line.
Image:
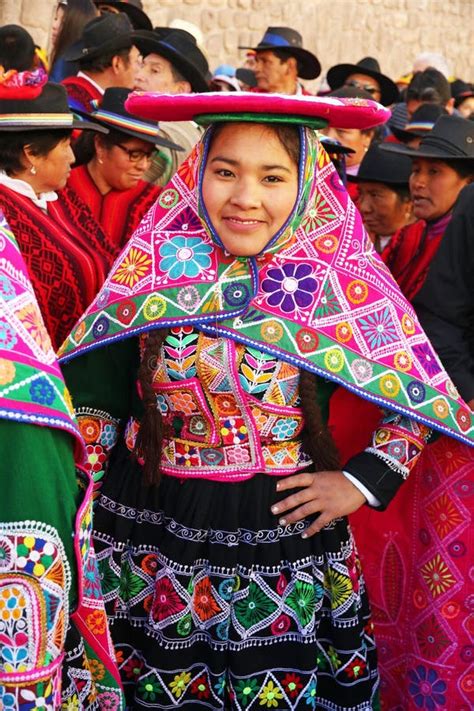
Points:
x=33 y=170
x=99 y=160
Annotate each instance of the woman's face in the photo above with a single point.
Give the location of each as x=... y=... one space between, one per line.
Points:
x=434 y=188
x=120 y=170
x=351 y=138
x=382 y=210
x=57 y=22
x=249 y=187
x=52 y=170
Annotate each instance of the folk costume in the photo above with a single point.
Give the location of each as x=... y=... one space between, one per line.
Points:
x=66 y=252
x=54 y=644
x=415 y=556
x=213 y=604
x=118 y=212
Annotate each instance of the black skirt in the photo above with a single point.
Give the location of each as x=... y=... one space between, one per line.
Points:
x=214 y=605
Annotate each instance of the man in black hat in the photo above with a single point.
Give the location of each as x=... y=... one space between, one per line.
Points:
x=365 y=75
x=172 y=64
x=280 y=59
x=107 y=57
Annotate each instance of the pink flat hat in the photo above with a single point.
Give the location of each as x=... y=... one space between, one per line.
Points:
x=252 y=106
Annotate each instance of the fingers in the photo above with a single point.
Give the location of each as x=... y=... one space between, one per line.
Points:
x=291 y=502
x=296 y=480
x=318 y=524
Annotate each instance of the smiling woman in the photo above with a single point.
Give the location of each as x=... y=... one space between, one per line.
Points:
x=249 y=201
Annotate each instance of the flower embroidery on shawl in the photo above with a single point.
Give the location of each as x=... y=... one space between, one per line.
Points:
x=426 y=688
x=427 y=359
x=184 y=256
x=290 y=286
x=33 y=323
x=132 y=268
x=379 y=328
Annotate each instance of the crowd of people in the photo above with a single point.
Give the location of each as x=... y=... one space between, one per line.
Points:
x=236 y=374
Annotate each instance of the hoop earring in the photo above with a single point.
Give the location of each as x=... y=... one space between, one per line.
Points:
x=33 y=170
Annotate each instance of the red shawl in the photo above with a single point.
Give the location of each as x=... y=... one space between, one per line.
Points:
x=66 y=253
x=410 y=252
x=119 y=212
x=81 y=92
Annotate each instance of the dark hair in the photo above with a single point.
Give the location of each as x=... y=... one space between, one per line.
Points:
x=429 y=86
x=284 y=55
x=464 y=168
x=17 y=49
x=288 y=136
x=77 y=14
x=84 y=147
x=40 y=142
x=403 y=191
x=104 y=61
x=317 y=439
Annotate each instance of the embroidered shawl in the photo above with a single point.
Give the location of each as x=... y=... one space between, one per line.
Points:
x=119 y=212
x=32 y=388
x=66 y=253
x=319 y=296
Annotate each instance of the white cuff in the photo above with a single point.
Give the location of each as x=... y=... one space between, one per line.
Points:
x=371 y=499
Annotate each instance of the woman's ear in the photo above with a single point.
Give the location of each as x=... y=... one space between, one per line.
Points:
x=99 y=149
x=28 y=159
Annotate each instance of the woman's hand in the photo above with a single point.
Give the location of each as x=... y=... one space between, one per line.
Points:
x=330 y=494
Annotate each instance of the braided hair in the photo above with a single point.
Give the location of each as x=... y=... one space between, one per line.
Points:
x=150 y=435
x=317 y=439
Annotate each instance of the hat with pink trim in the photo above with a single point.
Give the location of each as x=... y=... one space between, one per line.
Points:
x=213 y=107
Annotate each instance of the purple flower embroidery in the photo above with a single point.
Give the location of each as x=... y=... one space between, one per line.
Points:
x=426 y=688
x=290 y=287
x=427 y=359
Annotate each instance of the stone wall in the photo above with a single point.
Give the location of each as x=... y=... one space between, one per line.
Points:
x=394 y=31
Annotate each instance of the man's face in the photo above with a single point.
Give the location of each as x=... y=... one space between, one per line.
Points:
x=155 y=74
x=272 y=73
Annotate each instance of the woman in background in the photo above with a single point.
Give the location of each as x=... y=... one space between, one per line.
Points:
x=109 y=177
x=70 y=18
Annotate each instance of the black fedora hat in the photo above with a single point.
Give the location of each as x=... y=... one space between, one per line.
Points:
x=102 y=35
x=380 y=167
x=111 y=113
x=179 y=48
x=132 y=8
x=461 y=90
x=451 y=138
x=338 y=74
x=422 y=121
x=48 y=110
x=288 y=39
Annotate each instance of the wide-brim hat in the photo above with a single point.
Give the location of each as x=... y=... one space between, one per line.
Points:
x=338 y=74
x=250 y=106
x=133 y=9
x=461 y=90
x=451 y=138
x=380 y=167
x=179 y=49
x=102 y=35
x=111 y=113
x=48 y=110
x=291 y=40
x=17 y=48
x=422 y=121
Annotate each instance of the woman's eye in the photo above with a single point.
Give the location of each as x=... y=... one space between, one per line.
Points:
x=273 y=179
x=224 y=173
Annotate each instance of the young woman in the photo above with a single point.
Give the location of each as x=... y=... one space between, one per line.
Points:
x=234 y=583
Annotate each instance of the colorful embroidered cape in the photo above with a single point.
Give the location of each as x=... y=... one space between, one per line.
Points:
x=32 y=388
x=318 y=296
x=66 y=253
x=119 y=212
x=42 y=568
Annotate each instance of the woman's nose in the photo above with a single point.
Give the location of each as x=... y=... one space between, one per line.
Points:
x=245 y=195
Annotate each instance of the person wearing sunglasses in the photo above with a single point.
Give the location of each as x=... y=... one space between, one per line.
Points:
x=109 y=176
x=364 y=75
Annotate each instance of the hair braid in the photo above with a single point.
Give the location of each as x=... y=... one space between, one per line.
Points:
x=317 y=438
x=150 y=435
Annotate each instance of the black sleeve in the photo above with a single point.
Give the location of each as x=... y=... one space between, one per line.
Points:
x=445 y=303
x=375 y=474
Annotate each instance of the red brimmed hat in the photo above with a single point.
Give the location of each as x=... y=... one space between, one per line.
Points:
x=215 y=107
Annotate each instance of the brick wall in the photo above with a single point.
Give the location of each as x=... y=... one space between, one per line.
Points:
x=394 y=31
